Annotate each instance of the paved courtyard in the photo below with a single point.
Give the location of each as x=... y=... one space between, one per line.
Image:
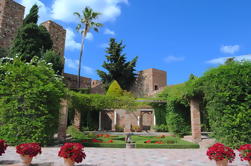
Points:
x=123 y=157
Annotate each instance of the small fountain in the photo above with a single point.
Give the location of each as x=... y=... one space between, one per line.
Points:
x=129 y=142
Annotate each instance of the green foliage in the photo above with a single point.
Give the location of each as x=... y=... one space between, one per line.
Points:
x=75 y=133
x=31 y=40
x=227 y=94
x=56 y=60
x=94 y=102
x=32 y=17
x=177 y=112
x=3 y=53
x=30 y=101
x=161 y=128
x=169 y=142
x=118 y=68
x=160 y=113
x=114 y=89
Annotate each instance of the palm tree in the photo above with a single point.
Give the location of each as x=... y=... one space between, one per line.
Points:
x=86 y=24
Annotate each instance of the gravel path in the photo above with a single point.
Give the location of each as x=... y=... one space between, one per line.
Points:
x=123 y=157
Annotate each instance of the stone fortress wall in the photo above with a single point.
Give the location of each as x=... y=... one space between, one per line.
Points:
x=11 y=18
x=148 y=82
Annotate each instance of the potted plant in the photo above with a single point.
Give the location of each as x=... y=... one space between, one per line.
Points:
x=245 y=153
x=27 y=151
x=72 y=152
x=221 y=154
x=3 y=146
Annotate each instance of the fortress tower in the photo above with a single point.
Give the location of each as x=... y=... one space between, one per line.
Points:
x=150 y=82
x=58 y=34
x=11 y=18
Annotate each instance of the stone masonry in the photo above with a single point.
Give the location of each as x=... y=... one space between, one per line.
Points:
x=149 y=81
x=57 y=33
x=11 y=18
x=71 y=81
x=195 y=120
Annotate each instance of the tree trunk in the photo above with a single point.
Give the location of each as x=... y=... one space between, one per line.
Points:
x=80 y=59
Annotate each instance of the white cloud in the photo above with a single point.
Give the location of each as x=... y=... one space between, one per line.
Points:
x=222 y=60
x=70 y=42
x=109 y=32
x=73 y=64
x=63 y=9
x=89 y=36
x=43 y=10
x=230 y=49
x=171 y=58
x=104 y=45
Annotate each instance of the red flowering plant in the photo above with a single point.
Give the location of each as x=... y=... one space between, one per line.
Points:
x=245 y=152
x=3 y=146
x=31 y=149
x=219 y=152
x=74 y=151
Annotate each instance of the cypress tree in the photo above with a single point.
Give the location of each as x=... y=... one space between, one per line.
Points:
x=32 y=17
x=118 y=68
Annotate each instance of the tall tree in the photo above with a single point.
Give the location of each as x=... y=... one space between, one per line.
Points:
x=32 y=17
x=118 y=68
x=31 y=40
x=86 y=24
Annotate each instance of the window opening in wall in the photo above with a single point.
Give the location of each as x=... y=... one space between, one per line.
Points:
x=156 y=87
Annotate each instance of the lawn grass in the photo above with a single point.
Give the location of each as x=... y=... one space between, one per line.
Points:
x=168 y=142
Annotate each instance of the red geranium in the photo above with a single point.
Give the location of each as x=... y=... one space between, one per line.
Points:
x=74 y=151
x=110 y=141
x=3 y=147
x=148 y=141
x=159 y=142
x=245 y=152
x=31 y=149
x=96 y=141
x=219 y=152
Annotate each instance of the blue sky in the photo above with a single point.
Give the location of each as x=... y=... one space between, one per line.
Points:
x=178 y=36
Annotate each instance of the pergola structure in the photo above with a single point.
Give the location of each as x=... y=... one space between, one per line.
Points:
x=194 y=109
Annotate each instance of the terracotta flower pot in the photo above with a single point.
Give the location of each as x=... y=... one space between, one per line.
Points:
x=68 y=162
x=249 y=162
x=223 y=162
x=26 y=160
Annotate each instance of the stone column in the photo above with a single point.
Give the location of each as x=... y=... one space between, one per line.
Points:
x=99 y=121
x=63 y=116
x=195 y=120
x=77 y=119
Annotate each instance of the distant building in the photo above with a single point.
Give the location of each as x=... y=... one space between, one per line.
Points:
x=71 y=81
x=11 y=18
x=57 y=33
x=149 y=82
x=97 y=87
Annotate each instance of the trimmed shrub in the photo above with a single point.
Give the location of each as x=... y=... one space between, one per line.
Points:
x=114 y=89
x=30 y=101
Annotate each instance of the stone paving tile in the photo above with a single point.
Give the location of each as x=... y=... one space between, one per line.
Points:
x=123 y=157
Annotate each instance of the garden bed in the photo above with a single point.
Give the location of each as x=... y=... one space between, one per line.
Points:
x=163 y=142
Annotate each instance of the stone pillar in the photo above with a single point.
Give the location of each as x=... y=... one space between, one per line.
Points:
x=154 y=119
x=63 y=116
x=99 y=121
x=77 y=119
x=127 y=123
x=195 y=120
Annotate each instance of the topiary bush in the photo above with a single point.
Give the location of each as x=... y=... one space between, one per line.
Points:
x=114 y=89
x=30 y=101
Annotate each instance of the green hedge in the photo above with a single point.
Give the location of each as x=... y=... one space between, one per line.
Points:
x=227 y=94
x=172 y=146
x=30 y=101
x=104 y=145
